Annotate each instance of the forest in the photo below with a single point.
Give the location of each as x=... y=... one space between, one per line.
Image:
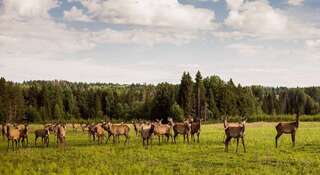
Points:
x=208 y=98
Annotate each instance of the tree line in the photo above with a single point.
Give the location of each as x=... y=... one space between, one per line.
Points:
x=207 y=98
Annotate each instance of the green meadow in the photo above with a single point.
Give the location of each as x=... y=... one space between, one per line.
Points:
x=83 y=156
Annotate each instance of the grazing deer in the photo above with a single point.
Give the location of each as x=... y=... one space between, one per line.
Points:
x=234 y=131
x=61 y=135
x=44 y=134
x=183 y=128
x=13 y=135
x=163 y=129
x=195 y=129
x=288 y=128
x=116 y=130
x=146 y=134
x=24 y=135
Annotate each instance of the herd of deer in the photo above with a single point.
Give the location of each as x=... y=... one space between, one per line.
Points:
x=17 y=134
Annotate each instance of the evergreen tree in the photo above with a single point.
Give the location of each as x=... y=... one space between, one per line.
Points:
x=185 y=94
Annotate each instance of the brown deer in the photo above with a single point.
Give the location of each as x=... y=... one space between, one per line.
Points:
x=44 y=134
x=195 y=129
x=183 y=128
x=234 y=131
x=61 y=134
x=227 y=124
x=288 y=128
x=24 y=135
x=13 y=135
x=99 y=132
x=137 y=127
x=163 y=129
x=146 y=134
x=4 y=130
x=91 y=132
x=116 y=130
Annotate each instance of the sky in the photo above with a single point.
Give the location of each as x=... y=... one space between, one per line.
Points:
x=265 y=42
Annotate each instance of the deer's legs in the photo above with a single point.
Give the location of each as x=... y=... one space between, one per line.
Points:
x=188 y=138
x=8 y=144
x=226 y=143
x=293 y=138
x=244 y=147
x=174 y=137
x=127 y=140
x=277 y=137
x=198 y=134
x=237 y=144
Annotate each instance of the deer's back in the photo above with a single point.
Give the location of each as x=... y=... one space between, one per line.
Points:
x=162 y=129
x=286 y=127
x=181 y=128
x=235 y=131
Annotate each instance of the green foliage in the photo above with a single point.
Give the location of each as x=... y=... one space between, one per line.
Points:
x=185 y=96
x=209 y=98
x=177 y=112
x=32 y=114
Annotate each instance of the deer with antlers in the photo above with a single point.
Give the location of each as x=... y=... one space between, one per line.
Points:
x=288 y=128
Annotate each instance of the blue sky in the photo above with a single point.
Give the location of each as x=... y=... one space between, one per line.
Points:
x=267 y=42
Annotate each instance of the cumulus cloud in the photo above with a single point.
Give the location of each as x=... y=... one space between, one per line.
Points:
x=234 y=4
x=255 y=16
x=259 y=18
x=164 y=13
x=75 y=14
x=295 y=2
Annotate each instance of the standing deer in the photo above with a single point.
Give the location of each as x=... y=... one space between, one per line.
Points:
x=163 y=129
x=137 y=126
x=99 y=132
x=288 y=128
x=13 y=134
x=234 y=132
x=195 y=129
x=116 y=130
x=24 y=135
x=44 y=134
x=3 y=130
x=183 y=128
x=146 y=134
x=61 y=134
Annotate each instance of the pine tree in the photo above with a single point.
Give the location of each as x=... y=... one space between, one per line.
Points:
x=185 y=94
x=200 y=98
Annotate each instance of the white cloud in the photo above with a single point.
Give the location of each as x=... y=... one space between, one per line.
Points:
x=28 y=8
x=259 y=18
x=164 y=13
x=295 y=2
x=75 y=14
x=256 y=17
x=234 y=4
x=313 y=43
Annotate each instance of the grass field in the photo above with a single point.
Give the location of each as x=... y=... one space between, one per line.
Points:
x=82 y=156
